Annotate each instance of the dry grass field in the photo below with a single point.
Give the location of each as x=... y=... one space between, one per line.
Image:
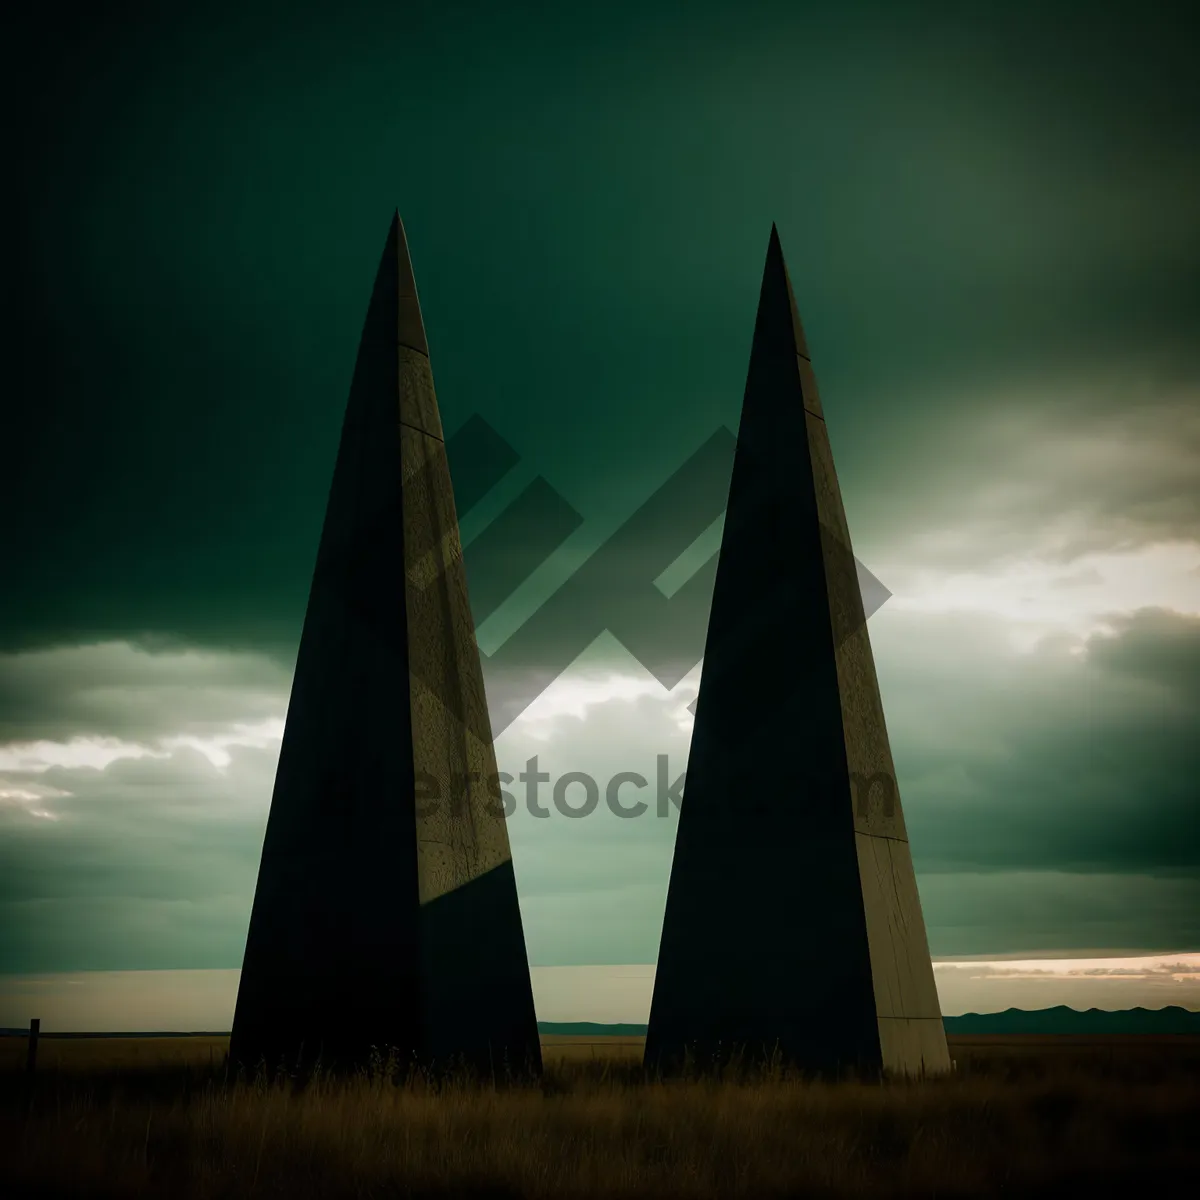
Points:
x=1022 y=1116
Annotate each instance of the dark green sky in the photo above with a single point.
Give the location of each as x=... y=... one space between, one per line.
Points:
x=989 y=213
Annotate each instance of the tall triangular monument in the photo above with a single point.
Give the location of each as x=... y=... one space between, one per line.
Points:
x=793 y=927
x=385 y=917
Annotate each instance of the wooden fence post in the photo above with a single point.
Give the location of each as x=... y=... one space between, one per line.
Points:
x=35 y=1027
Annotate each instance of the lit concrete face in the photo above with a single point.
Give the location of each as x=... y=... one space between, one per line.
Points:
x=386 y=910
x=793 y=924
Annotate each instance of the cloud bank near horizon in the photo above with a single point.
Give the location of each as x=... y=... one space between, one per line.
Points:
x=1060 y=815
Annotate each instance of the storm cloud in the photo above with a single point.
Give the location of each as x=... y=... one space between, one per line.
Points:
x=990 y=226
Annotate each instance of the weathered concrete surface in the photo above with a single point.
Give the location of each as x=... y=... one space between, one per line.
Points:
x=793 y=923
x=386 y=910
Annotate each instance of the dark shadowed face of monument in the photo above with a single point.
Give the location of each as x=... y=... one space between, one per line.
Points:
x=793 y=925
x=380 y=923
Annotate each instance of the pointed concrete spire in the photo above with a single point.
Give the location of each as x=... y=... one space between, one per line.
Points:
x=386 y=909
x=793 y=923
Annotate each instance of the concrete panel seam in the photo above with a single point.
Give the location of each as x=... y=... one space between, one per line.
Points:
x=418 y=429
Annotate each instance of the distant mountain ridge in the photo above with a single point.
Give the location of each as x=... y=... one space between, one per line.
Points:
x=1060 y=1020
x=586 y=1028
x=1064 y=1020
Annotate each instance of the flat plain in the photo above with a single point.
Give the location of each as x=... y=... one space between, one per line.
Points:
x=149 y=1117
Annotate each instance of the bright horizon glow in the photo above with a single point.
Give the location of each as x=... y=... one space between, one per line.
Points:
x=203 y=1000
